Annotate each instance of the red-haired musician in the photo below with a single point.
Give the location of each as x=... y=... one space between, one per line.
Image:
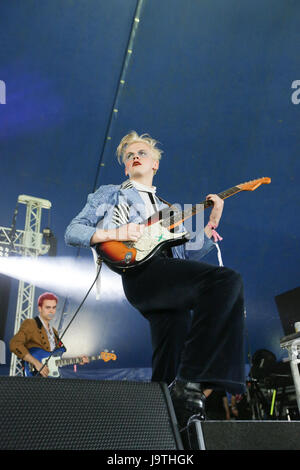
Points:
x=37 y=334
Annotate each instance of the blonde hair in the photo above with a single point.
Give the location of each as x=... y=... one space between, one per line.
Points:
x=132 y=138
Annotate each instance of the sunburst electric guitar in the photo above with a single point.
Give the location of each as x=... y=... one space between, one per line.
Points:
x=160 y=232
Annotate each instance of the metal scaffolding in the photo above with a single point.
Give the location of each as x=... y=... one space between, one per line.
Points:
x=27 y=242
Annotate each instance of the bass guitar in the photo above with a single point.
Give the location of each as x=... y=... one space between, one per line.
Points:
x=55 y=361
x=160 y=232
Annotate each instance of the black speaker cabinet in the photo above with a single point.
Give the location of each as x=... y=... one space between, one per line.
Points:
x=244 y=435
x=288 y=306
x=59 y=414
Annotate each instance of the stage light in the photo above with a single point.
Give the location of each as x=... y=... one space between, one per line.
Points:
x=63 y=275
x=50 y=240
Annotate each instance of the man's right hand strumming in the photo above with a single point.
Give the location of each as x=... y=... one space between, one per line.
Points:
x=44 y=371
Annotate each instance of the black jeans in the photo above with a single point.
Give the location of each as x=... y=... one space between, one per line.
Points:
x=196 y=315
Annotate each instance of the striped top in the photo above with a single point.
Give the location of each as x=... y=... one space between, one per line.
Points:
x=121 y=211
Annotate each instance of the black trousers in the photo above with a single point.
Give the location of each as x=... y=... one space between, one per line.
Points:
x=196 y=315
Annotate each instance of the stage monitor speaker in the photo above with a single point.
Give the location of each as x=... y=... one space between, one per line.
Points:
x=244 y=435
x=73 y=414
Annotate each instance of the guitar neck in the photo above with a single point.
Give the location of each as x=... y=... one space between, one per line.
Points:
x=74 y=360
x=180 y=216
x=207 y=203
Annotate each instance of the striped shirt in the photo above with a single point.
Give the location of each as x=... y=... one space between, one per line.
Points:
x=121 y=211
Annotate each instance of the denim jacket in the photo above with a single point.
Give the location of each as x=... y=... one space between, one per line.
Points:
x=98 y=212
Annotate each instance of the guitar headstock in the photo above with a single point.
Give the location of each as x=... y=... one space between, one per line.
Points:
x=108 y=356
x=254 y=184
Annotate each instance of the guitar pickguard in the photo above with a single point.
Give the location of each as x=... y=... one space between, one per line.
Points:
x=152 y=236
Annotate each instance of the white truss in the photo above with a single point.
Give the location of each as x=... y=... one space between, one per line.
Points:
x=27 y=242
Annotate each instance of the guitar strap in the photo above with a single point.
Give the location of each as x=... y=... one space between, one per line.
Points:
x=162 y=200
x=38 y=322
